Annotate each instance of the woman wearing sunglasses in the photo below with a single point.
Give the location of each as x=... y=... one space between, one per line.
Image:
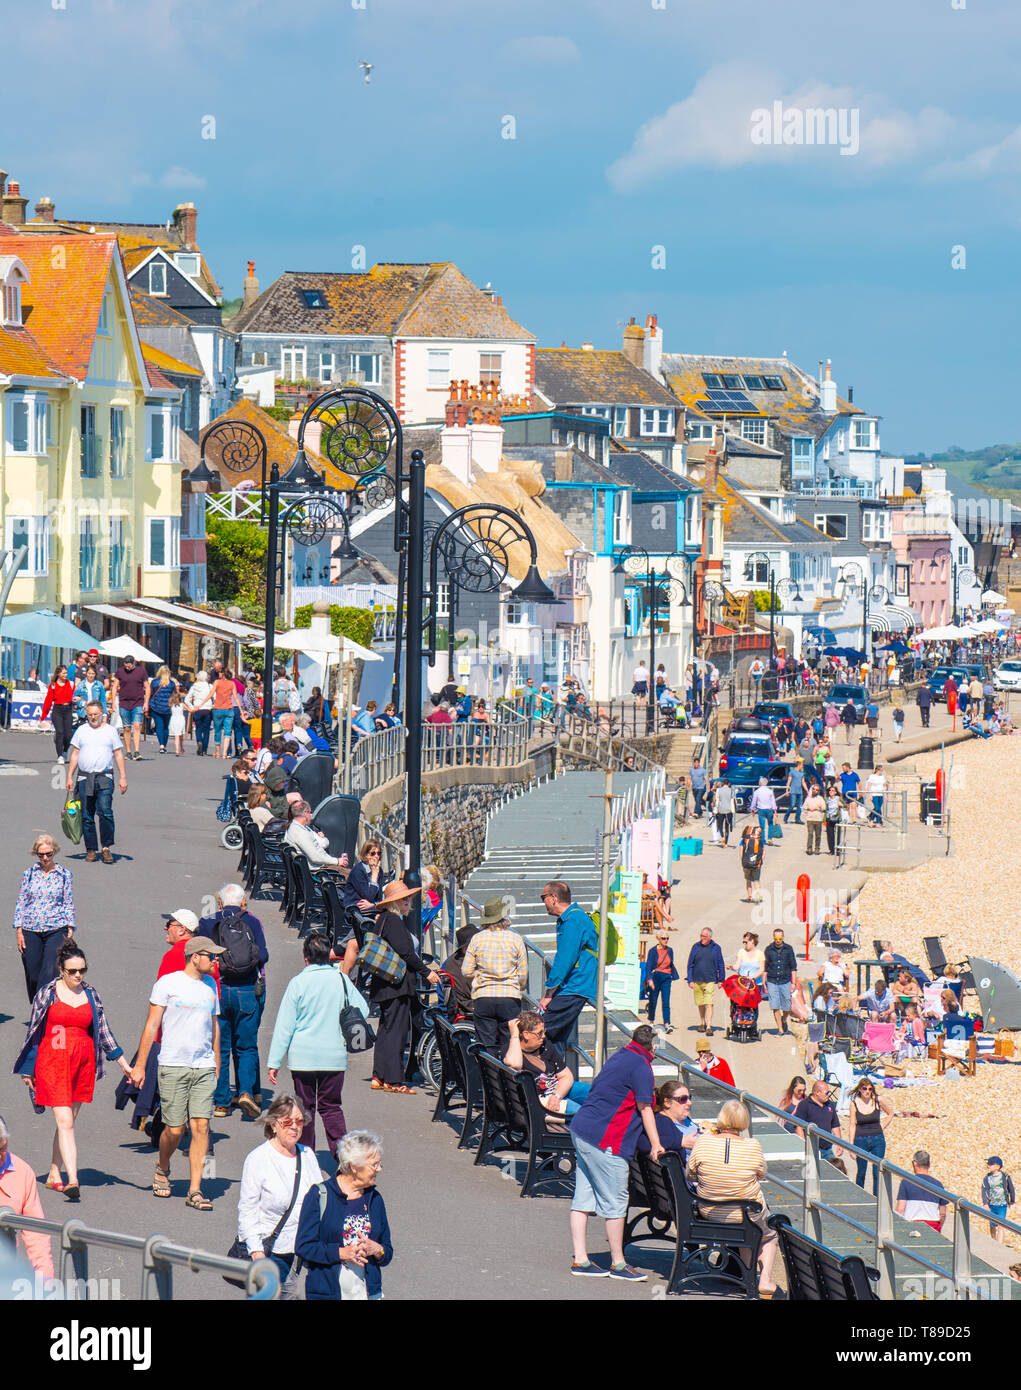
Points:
x=62 y=1058
x=43 y=914
x=868 y=1117
x=677 y=1130
x=274 y=1181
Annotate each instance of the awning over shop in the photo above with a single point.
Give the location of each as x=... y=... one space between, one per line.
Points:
x=179 y=615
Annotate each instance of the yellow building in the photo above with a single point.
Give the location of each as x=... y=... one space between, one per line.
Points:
x=90 y=454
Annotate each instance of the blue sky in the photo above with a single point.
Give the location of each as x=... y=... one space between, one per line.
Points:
x=632 y=130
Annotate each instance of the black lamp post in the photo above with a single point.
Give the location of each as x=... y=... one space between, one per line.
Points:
x=473 y=547
x=635 y=560
x=854 y=576
x=758 y=557
x=958 y=573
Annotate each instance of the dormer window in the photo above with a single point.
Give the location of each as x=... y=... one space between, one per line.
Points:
x=314 y=299
x=158 y=278
x=187 y=263
x=12 y=306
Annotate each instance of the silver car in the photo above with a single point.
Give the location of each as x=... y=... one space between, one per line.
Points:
x=1008 y=675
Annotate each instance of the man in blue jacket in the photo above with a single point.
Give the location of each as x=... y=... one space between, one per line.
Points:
x=571 y=982
x=705 y=971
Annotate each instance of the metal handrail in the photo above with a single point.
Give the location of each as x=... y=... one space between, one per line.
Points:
x=159 y=1256
x=958 y=1275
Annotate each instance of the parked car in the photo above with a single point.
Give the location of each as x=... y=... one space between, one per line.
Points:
x=775 y=712
x=742 y=748
x=1008 y=675
x=961 y=674
x=840 y=694
x=745 y=779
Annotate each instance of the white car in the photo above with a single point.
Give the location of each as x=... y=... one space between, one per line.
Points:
x=1008 y=675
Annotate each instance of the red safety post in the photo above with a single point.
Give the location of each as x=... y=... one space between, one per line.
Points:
x=804 y=887
x=939 y=785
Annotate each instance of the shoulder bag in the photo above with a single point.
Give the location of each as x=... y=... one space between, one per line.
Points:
x=380 y=960
x=239 y=1250
x=358 y=1033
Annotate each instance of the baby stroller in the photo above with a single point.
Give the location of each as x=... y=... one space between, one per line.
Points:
x=745 y=998
x=232 y=836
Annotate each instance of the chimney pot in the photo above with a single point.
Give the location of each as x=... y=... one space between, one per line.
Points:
x=251 y=289
x=12 y=208
x=186 y=222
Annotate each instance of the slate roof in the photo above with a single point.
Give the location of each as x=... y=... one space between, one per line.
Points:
x=430 y=300
x=575 y=377
x=746 y=523
x=138 y=240
x=645 y=474
x=60 y=306
x=795 y=410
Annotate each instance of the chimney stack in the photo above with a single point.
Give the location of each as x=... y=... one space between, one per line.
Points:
x=186 y=221
x=12 y=209
x=711 y=470
x=44 y=210
x=653 y=348
x=251 y=286
x=633 y=346
x=828 y=391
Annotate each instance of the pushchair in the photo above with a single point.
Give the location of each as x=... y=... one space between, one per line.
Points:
x=232 y=836
x=745 y=998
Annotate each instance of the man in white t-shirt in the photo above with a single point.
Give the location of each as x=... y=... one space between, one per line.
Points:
x=95 y=749
x=186 y=1009
x=875 y=787
x=834 y=972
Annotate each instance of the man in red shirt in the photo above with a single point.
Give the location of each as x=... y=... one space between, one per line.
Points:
x=182 y=924
x=712 y=1065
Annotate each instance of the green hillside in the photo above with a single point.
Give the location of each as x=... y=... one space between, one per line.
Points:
x=995 y=469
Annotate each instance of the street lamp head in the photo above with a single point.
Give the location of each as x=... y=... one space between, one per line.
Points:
x=348 y=550
x=533 y=589
x=202 y=476
x=301 y=475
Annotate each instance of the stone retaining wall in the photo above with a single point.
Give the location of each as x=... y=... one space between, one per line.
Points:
x=453 y=825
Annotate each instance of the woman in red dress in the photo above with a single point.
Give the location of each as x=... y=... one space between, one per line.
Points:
x=63 y=1056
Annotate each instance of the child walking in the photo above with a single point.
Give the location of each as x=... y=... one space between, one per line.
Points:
x=176 y=726
x=997 y=1194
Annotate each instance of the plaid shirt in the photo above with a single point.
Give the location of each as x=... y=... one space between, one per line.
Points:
x=104 y=1040
x=496 y=963
x=46 y=901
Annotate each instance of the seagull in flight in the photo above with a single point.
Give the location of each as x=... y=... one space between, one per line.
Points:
x=367 y=69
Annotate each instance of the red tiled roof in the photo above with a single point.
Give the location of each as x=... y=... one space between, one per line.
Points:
x=61 y=303
x=21 y=355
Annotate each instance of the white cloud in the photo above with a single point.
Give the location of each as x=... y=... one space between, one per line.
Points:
x=179 y=177
x=542 y=48
x=1003 y=158
x=712 y=128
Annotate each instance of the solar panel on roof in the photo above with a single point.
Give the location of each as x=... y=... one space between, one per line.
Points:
x=718 y=395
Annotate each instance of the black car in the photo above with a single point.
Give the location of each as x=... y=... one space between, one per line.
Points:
x=776 y=712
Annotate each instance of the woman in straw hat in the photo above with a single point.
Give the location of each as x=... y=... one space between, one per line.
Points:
x=394 y=1000
x=497 y=965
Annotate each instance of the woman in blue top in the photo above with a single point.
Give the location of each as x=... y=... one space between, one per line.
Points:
x=87 y=687
x=343 y=1232
x=159 y=704
x=676 y=1129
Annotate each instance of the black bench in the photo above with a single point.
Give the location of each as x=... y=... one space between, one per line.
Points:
x=708 y=1250
x=460 y=1085
x=514 y=1121
x=818 y=1275
x=265 y=862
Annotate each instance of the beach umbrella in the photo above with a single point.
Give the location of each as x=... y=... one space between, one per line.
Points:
x=127 y=646
x=44 y=628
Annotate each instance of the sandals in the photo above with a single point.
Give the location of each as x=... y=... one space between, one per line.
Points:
x=161 y=1183
x=55 y=1185
x=398 y=1090
x=377 y=1085
x=198 y=1202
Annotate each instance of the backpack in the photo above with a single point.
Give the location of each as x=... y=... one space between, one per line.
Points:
x=241 y=955
x=614 y=943
x=751 y=851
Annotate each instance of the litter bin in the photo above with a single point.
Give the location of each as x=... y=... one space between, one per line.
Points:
x=866 y=753
x=770 y=685
x=930 y=805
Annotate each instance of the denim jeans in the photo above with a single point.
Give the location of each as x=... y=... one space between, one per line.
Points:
x=765 y=821
x=161 y=719
x=576 y=1097
x=796 y=798
x=699 y=795
x=239 y=1037
x=201 y=722
x=876 y=814
x=874 y=1144
x=659 y=989
x=101 y=805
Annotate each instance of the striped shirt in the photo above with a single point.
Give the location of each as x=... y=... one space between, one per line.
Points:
x=727 y=1166
x=46 y=900
x=496 y=964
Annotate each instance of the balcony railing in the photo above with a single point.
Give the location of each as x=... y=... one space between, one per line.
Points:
x=91 y=455
x=837 y=488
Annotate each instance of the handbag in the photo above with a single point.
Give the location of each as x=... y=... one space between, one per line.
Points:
x=71 y=817
x=380 y=960
x=239 y=1250
x=358 y=1033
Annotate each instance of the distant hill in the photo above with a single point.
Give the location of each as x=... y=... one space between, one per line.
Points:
x=995 y=469
x=231 y=308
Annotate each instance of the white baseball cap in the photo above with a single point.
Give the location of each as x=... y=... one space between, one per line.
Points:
x=185 y=916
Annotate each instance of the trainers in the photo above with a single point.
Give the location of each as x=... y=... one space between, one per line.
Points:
x=248 y=1106
x=589 y=1270
x=220 y=1112
x=60 y=761
x=628 y=1272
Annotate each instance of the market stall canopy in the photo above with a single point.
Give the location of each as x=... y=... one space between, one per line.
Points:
x=127 y=646
x=44 y=628
x=303 y=639
x=991 y=596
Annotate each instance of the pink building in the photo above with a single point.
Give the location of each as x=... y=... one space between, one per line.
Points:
x=922 y=581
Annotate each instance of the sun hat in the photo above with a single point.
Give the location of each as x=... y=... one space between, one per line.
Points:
x=703 y=1045
x=496 y=910
x=396 y=892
